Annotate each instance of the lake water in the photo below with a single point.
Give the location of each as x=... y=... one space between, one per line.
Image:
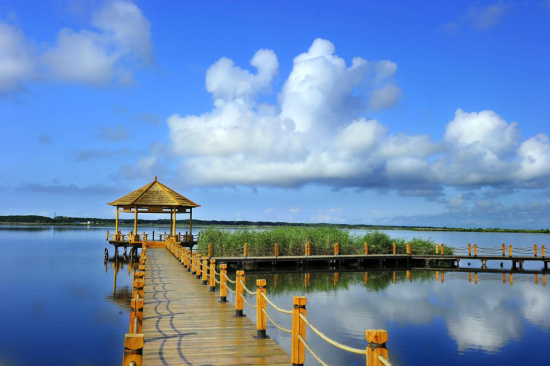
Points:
x=60 y=305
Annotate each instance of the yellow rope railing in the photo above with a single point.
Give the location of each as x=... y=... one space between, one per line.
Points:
x=247 y=290
x=331 y=341
x=315 y=355
x=275 y=306
x=275 y=323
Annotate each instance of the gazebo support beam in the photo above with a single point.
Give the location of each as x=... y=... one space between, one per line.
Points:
x=116 y=224
x=135 y=221
x=174 y=222
x=191 y=223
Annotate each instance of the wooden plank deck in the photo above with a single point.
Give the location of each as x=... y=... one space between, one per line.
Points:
x=184 y=324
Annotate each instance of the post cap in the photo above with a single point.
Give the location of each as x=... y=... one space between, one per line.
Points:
x=377 y=336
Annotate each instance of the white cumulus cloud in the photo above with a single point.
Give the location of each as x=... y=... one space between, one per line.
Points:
x=316 y=133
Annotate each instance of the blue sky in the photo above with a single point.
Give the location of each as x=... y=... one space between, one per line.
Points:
x=399 y=113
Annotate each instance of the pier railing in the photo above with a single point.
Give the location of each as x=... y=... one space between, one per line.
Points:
x=503 y=250
x=134 y=340
x=148 y=236
x=204 y=269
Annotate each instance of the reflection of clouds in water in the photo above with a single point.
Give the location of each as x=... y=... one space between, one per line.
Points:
x=485 y=316
x=536 y=305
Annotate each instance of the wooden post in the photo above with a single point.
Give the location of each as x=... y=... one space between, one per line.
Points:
x=535 y=250
x=261 y=319
x=276 y=250
x=193 y=263
x=503 y=249
x=137 y=311
x=239 y=303
x=205 y=271
x=212 y=275
x=376 y=339
x=308 y=248
x=138 y=288
x=366 y=248
x=510 y=250
x=116 y=222
x=394 y=249
x=174 y=222
x=297 y=349
x=209 y=250
x=436 y=248
x=475 y=250
x=469 y=249
x=245 y=250
x=191 y=223
x=107 y=235
x=133 y=348
x=198 y=266
x=407 y=250
x=135 y=219
x=442 y=249
x=336 y=249
x=223 y=282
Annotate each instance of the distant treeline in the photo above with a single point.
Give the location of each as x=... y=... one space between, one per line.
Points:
x=67 y=220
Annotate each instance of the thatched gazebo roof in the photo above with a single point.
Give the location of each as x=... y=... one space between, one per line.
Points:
x=155 y=195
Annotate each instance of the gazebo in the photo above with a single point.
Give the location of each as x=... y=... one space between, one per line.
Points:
x=157 y=198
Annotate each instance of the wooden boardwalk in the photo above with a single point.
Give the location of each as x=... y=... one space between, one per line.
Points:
x=184 y=324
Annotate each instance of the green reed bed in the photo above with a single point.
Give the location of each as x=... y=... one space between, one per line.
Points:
x=291 y=240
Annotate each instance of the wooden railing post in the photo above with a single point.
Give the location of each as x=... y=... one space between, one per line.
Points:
x=436 y=248
x=469 y=249
x=245 y=250
x=137 y=311
x=198 y=265
x=297 y=349
x=137 y=289
x=210 y=250
x=107 y=235
x=204 y=271
x=336 y=249
x=366 y=248
x=308 y=248
x=535 y=250
x=376 y=339
x=276 y=250
x=261 y=319
x=442 y=249
x=510 y=250
x=212 y=275
x=223 y=282
x=503 y=249
x=239 y=303
x=133 y=348
x=475 y=250
x=394 y=249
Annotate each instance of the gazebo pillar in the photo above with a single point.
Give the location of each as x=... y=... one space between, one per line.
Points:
x=174 y=222
x=191 y=223
x=135 y=220
x=116 y=224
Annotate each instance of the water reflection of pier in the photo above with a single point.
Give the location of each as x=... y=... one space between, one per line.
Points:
x=397 y=275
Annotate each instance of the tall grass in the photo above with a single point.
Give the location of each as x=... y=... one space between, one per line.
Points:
x=291 y=240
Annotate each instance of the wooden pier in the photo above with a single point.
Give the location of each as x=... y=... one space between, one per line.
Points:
x=184 y=324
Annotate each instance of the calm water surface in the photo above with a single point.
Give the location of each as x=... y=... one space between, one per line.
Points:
x=60 y=305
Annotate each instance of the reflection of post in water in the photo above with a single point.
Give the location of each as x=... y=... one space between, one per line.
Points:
x=115 y=268
x=470 y=277
x=336 y=278
x=307 y=279
x=275 y=280
x=475 y=278
x=442 y=277
x=437 y=275
x=511 y=279
x=394 y=277
x=366 y=278
x=536 y=277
